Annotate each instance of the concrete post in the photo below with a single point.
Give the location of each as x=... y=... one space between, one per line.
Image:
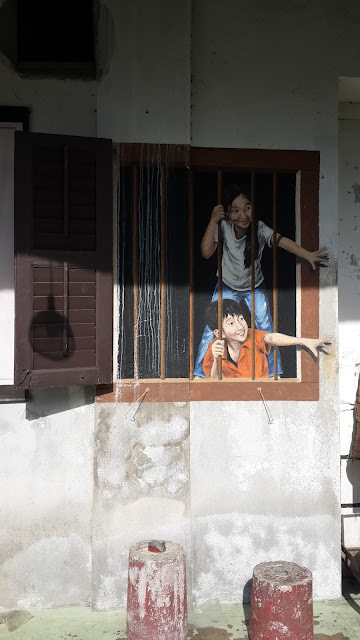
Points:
x=156 y=603
x=281 y=602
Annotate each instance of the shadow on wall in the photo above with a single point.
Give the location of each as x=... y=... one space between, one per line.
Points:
x=247 y=593
x=8 y=30
x=353 y=463
x=353 y=466
x=46 y=402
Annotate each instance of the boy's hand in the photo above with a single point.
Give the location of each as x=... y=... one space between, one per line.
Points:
x=217 y=214
x=218 y=348
x=313 y=344
x=317 y=258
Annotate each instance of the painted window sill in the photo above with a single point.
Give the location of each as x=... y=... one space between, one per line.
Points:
x=182 y=390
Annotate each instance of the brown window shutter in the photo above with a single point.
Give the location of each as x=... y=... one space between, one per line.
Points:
x=63 y=249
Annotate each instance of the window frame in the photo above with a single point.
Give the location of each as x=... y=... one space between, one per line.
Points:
x=13 y=116
x=306 y=165
x=28 y=257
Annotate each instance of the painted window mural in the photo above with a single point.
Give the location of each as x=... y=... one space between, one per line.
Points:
x=214 y=265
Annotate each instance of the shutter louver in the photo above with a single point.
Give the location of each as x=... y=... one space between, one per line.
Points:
x=63 y=245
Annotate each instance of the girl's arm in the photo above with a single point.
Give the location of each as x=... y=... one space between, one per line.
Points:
x=282 y=340
x=315 y=258
x=208 y=244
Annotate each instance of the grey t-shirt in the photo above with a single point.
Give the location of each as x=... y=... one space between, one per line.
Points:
x=234 y=273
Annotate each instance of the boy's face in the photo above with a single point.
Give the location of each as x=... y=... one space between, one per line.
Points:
x=240 y=212
x=234 y=329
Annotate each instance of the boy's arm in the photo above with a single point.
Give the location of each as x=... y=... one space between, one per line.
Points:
x=315 y=258
x=282 y=340
x=215 y=350
x=208 y=244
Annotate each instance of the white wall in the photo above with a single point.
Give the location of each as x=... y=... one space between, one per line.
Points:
x=349 y=305
x=264 y=75
x=259 y=83
x=57 y=105
x=46 y=487
x=47 y=444
x=144 y=91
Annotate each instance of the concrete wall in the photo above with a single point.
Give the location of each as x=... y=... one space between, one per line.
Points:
x=256 y=84
x=46 y=443
x=46 y=480
x=349 y=304
x=144 y=87
x=251 y=89
x=264 y=74
x=141 y=489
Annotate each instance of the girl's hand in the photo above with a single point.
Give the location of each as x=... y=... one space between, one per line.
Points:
x=317 y=258
x=217 y=214
x=218 y=348
x=313 y=344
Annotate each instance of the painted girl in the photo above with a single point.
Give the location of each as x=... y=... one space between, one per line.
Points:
x=235 y=215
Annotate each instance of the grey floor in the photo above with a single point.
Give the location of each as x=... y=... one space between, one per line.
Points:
x=333 y=619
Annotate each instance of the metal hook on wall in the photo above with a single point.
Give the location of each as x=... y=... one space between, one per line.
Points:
x=270 y=418
x=134 y=403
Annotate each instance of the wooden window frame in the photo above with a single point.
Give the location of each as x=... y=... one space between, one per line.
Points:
x=16 y=115
x=13 y=116
x=28 y=257
x=306 y=165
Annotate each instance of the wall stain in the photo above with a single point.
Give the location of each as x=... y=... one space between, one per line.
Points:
x=356 y=190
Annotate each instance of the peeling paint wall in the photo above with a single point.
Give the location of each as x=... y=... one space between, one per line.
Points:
x=272 y=491
x=349 y=305
x=141 y=489
x=214 y=477
x=265 y=492
x=46 y=444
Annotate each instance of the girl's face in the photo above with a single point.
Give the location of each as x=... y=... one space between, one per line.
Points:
x=240 y=212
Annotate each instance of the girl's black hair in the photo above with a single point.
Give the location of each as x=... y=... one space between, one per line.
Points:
x=231 y=192
x=229 y=308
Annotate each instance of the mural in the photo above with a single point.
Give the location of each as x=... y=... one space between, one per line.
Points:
x=168 y=240
x=235 y=348
x=235 y=218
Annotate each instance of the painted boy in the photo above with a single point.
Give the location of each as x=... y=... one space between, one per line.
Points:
x=235 y=347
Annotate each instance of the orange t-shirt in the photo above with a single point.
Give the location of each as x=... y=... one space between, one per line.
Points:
x=243 y=369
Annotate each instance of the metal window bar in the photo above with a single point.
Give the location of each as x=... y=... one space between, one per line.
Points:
x=135 y=247
x=219 y=261
x=191 y=275
x=252 y=275
x=66 y=310
x=162 y=274
x=274 y=265
x=135 y=271
x=66 y=192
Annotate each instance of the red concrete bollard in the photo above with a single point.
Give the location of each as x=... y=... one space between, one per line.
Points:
x=281 y=602
x=156 y=601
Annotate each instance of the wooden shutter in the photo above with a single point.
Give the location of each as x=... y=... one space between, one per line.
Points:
x=63 y=248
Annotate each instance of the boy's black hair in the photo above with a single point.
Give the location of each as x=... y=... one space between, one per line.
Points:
x=229 y=308
x=231 y=192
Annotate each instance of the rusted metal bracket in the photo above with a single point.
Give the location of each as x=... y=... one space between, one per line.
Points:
x=134 y=403
x=270 y=418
